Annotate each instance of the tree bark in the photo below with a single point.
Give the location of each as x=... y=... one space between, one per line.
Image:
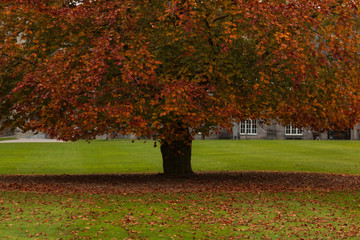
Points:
x=176 y=154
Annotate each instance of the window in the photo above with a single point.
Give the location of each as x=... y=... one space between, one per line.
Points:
x=248 y=127
x=290 y=130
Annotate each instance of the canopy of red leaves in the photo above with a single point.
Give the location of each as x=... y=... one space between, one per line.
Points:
x=146 y=67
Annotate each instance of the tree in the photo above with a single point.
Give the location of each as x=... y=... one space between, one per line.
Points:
x=166 y=70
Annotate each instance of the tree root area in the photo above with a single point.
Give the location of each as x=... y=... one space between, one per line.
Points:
x=200 y=182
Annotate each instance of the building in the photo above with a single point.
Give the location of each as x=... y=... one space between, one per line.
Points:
x=246 y=130
x=252 y=129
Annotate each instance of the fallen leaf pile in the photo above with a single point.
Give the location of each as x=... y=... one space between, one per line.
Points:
x=208 y=205
x=201 y=182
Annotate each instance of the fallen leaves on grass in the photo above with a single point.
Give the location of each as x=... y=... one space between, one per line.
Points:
x=182 y=215
x=201 y=182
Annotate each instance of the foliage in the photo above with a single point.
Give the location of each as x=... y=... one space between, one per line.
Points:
x=150 y=67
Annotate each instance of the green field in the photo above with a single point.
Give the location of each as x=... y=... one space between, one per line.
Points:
x=122 y=156
x=307 y=215
x=166 y=214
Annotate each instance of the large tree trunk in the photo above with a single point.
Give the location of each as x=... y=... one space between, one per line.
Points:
x=176 y=154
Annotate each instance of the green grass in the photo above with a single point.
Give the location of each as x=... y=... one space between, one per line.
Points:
x=176 y=215
x=122 y=156
x=304 y=156
x=309 y=215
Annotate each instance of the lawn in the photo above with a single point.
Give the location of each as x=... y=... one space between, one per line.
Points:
x=166 y=208
x=122 y=156
x=309 y=215
x=7 y=138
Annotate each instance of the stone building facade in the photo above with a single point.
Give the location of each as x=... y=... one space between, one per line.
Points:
x=246 y=130
x=252 y=129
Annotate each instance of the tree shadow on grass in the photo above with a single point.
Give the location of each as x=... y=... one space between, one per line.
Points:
x=201 y=182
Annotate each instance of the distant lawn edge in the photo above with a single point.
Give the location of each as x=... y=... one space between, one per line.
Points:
x=7 y=138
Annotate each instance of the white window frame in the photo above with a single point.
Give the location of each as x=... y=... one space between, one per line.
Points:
x=293 y=131
x=248 y=127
